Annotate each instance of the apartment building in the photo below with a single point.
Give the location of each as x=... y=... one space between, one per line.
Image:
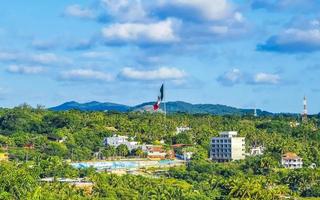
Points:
x=227 y=147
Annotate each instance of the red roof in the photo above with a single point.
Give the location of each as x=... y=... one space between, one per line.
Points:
x=290 y=155
x=156 y=148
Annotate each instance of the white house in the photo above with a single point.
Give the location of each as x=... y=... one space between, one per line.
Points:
x=227 y=147
x=257 y=151
x=118 y=140
x=291 y=161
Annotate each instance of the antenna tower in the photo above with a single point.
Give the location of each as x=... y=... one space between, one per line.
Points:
x=305 y=111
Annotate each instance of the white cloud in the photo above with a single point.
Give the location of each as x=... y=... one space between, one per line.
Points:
x=235 y=76
x=231 y=77
x=85 y=75
x=158 y=32
x=308 y=36
x=234 y=27
x=20 y=69
x=45 y=58
x=163 y=73
x=125 y=10
x=293 y=40
x=48 y=58
x=211 y=20
x=77 y=11
x=31 y=58
x=209 y=9
x=238 y=17
x=265 y=78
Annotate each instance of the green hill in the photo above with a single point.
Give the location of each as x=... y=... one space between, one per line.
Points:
x=171 y=107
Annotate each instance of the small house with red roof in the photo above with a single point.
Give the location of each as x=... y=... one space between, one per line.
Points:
x=291 y=161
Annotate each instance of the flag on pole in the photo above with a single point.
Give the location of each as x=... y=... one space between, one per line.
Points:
x=156 y=106
x=161 y=93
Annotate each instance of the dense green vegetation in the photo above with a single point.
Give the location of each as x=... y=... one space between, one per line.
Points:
x=259 y=177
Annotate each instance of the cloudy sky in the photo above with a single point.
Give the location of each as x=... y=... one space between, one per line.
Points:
x=262 y=53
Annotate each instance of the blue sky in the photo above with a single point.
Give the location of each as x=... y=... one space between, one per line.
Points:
x=261 y=53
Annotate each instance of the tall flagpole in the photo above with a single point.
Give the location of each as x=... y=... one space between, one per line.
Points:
x=164 y=101
x=165 y=108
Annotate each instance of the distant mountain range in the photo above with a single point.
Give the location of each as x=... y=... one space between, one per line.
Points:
x=91 y=106
x=171 y=107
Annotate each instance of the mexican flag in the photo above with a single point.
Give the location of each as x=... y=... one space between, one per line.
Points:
x=156 y=106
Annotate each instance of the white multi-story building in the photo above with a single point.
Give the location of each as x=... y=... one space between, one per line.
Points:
x=291 y=161
x=118 y=140
x=227 y=147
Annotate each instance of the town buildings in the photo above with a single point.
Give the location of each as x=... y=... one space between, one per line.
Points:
x=151 y=151
x=227 y=147
x=291 y=161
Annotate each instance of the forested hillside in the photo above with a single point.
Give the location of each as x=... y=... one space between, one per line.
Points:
x=31 y=136
x=171 y=107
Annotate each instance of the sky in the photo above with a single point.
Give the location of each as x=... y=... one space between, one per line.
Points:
x=254 y=53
